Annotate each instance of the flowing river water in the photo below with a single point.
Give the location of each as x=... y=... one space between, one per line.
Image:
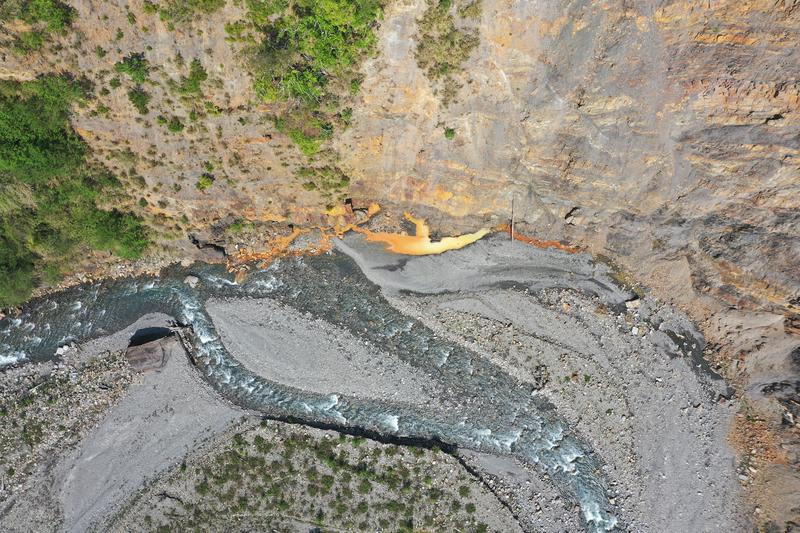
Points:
x=485 y=409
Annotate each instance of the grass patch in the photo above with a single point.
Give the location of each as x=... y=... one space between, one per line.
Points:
x=51 y=200
x=173 y=124
x=308 y=58
x=445 y=45
x=46 y=17
x=190 y=85
x=135 y=66
x=205 y=181
x=176 y=11
x=328 y=179
x=273 y=477
x=140 y=99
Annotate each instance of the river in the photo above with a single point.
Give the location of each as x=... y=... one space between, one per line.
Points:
x=498 y=414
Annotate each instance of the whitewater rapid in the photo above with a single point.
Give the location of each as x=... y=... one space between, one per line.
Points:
x=502 y=418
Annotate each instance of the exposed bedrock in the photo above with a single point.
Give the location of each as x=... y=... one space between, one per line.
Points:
x=663 y=135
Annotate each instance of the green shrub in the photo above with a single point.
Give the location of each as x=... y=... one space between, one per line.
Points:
x=205 y=181
x=197 y=75
x=48 y=15
x=140 y=99
x=175 y=125
x=149 y=7
x=442 y=46
x=177 y=11
x=471 y=11
x=16 y=266
x=365 y=487
x=235 y=31
x=310 y=53
x=35 y=145
x=327 y=179
x=307 y=144
x=135 y=66
x=449 y=133
x=28 y=41
x=50 y=199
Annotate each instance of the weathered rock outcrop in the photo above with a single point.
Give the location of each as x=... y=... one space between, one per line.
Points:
x=663 y=135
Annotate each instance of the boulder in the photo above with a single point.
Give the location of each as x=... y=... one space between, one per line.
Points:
x=150 y=355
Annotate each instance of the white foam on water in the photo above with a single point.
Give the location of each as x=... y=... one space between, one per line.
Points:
x=219 y=282
x=77 y=305
x=329 y=403
x=591 y=513
x=328 y=407
x=508 y=440
x=391 y=422
x=12 y=358
x=266 y=284
x=554 y=439
x=206 y=336
x=226 y=376
x=566 y=461
x=482 y=435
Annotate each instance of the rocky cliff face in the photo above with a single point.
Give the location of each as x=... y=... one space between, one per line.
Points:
x=651 y=131
x=663 y=135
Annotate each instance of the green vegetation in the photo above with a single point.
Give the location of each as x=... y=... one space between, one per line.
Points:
x=325 y=179
x=173 y=124
x=44 y=16
x=236 y=227
x=205 y=181
x=50 y=204
x=308 y=57
x=135 y=66
x=449 y=133
x=272 y=477
x=197 y=75
x=178 y=11
x=443 y=46
x=28 y=41
x=140 y=99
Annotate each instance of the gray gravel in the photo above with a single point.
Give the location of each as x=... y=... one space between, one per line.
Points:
x=154 y=425
x=285 y=346
x=654 y=417
x=647 y=408
x=490 y=261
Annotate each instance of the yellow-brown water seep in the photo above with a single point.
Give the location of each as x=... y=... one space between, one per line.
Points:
x=420 y=243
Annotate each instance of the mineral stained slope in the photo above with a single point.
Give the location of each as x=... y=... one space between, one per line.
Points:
x=663 y=135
